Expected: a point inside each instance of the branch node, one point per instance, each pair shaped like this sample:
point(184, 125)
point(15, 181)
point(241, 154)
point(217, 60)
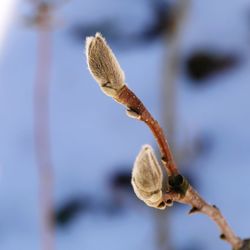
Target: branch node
point(178, 184)
point(193, 210)
point(214, 206)
point(133, 114)
point(169, 202)
point(223, 237)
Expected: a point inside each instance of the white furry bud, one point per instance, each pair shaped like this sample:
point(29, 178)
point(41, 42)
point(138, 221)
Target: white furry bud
point(147, 178)
point(103, 65)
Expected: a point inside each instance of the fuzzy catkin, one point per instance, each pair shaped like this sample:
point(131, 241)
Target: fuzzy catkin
point(103, 65)
point(147, 178)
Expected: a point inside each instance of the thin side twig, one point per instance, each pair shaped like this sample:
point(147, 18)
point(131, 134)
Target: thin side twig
point(199, 205)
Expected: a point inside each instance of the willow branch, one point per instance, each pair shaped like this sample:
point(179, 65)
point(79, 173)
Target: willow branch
point(106, 70)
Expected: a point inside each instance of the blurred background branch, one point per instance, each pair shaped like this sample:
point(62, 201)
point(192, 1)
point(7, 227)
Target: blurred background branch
point(43, 21)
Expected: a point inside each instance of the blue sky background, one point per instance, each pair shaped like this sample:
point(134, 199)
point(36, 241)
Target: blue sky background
point(92, 139)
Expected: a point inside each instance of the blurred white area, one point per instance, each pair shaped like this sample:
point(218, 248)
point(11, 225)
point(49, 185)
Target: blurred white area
point(7, 12)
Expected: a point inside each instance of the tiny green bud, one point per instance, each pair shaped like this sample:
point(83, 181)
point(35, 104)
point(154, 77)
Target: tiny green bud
point(147, 178)
point(104, 66)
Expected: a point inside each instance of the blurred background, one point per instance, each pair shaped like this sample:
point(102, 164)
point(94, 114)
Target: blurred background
point(66, 150)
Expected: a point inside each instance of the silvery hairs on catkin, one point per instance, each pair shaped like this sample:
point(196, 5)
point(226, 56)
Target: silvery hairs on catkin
point(103, 65)
point(147, 178)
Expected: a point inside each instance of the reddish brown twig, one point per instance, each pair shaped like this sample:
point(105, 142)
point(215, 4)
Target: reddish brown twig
point(134, 104)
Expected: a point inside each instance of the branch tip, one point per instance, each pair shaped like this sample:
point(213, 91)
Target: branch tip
point(103, 65)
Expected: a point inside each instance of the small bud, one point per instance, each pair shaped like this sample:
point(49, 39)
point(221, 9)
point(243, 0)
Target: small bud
point(193, 210)
point(147, 178)
point(132, 114)
point(104, 66)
